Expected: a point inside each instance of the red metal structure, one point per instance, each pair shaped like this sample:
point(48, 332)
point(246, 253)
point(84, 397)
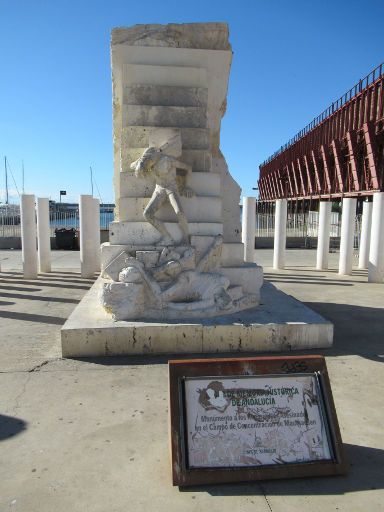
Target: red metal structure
point(339, 154)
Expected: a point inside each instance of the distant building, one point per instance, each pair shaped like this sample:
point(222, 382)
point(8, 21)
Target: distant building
point(74, 207)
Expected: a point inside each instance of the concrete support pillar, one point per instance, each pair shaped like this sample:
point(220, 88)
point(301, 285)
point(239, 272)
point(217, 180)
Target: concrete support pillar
point(324, 233)
point(28, 235)
point(365, 236)
point(280, 240)
point(87, 236)
point(43, 235)
point(248, 227)
point(96, 221)
point(347, 234)
point(376, 250)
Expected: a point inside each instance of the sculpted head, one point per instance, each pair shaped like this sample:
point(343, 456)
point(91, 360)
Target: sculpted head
point(147, 160)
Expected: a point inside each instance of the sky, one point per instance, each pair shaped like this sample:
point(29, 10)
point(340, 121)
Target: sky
point(291, 59)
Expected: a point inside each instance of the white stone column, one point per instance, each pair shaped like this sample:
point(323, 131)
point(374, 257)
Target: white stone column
point(96, 221)
point(365, 236)
point(43, 235)
point(376, 250)
point(347, 233)
point(324, 233)
point(280, 240)
point(87, 236)
point(28, 235)
point(248, 227)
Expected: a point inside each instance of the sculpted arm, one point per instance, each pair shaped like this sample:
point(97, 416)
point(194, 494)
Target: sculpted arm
point(143, 165)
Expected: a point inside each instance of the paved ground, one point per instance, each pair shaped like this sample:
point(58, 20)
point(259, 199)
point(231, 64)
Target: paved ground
point(92, 435)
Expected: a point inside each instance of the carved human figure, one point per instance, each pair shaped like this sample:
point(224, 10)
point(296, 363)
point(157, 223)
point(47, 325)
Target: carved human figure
point(188, 289)
point(170, 177)
point(189, 283)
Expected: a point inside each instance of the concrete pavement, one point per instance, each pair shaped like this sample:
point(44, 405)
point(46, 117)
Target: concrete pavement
point(91, 435)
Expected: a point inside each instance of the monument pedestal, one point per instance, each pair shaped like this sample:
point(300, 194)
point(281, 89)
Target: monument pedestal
point(279, 323)
point(173, 277)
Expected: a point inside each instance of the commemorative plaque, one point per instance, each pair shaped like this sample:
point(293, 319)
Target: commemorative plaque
point(249, 419)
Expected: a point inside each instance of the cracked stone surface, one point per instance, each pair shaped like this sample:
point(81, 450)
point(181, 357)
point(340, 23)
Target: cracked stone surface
point(92, 434)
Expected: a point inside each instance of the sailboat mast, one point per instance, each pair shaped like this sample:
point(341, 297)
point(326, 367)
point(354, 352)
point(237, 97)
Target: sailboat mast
point(90, 168)
point(22, 173)
point(6, 180)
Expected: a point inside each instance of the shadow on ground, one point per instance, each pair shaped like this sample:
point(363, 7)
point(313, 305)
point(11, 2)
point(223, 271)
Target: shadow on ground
point(54, 279)
point(11, 426)
point(358, 329)
point(362, 476)
point(50, 284)
point(12, 283)
point(313, 278)
point(31, 317)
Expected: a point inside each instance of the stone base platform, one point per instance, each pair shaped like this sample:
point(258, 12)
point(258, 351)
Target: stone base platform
point(279, 323)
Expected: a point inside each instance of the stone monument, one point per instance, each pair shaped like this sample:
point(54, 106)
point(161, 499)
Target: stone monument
point(173, 277)
point(175, 246)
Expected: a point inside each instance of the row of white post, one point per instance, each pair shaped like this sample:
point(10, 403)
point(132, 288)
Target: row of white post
point(371, 252)
point(37, 257)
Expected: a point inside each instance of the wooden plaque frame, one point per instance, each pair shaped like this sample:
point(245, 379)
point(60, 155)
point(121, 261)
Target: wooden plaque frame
point(182, 475)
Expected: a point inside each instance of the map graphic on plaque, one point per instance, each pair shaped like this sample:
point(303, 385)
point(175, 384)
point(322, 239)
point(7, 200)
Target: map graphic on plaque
point(255, 421)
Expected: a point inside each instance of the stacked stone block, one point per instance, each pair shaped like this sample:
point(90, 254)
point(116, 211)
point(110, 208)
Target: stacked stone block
point(160, 86)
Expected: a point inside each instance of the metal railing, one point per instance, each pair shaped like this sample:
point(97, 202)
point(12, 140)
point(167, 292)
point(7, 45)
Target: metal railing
point(10, 220)
point(305, 225)
point(298, 224)
point(10, 225)
point(353, 92)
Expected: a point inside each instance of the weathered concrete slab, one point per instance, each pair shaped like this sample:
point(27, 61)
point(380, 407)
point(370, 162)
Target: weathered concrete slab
point(164, 95)
point(138, 137)
point(192, 35)
point(279, 323)
point(128, 232)
point(144, 115)
point(248, 275)
point(164, 75)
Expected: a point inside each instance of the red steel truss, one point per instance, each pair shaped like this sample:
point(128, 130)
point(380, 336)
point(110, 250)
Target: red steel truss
point(339, 154)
